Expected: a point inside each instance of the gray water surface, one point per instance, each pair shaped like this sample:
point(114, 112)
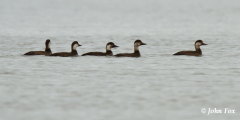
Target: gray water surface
point(156, 86)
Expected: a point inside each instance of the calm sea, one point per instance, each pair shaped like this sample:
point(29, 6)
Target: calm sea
point(156, 86)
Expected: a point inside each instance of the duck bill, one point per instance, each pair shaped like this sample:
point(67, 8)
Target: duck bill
point(79, 45)
point(143, 44)
point(204, 44)
point(115, 46)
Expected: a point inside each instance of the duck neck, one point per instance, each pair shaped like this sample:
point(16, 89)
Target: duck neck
point(48, 50)
point(197, 47)
point(108, 50)
point(136, 50)
point(74, 51)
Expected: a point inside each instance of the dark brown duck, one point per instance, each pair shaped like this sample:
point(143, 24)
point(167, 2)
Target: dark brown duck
point(46, 52)
point(197, 52)
point(136, 53)
point(107, 53)
point(69, 54)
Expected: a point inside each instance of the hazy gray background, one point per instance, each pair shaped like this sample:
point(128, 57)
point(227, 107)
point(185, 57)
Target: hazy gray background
point(154, 86)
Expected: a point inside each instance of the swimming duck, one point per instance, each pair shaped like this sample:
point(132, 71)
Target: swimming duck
point(46, 52)
point(107, 53)
point(136, 53)
point(198, 51)
point(69, 54)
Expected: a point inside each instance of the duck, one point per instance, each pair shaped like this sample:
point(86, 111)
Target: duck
point(197, 52)
point(73, 53)
point(136, 53)
point(107, 53)
point(46, 52)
